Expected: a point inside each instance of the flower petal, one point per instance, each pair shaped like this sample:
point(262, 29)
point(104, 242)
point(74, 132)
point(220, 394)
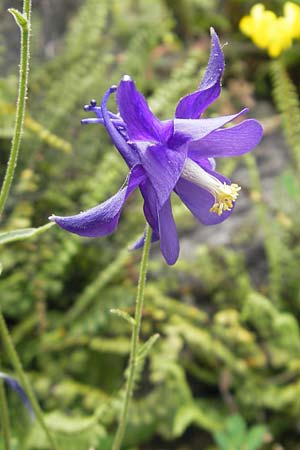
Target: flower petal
point(120, 143)
point(102, 219)
point(141, 122)
point(196, 129)
point(199, 201)
point(150, 205)
point(192, 105)
point(232, 141)
point(169, 244)
point(162, 224)
point(163, 167)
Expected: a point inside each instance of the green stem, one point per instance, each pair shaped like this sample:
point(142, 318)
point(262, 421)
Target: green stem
point(9, 346)
point(134, 341)
point(21, 105)
point(4, 417)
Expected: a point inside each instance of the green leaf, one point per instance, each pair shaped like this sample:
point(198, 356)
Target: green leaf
point(255, 437)
point(223, 440)
point(124, 315)
point(146, 347)
point(236, 428)
point(19, 18)
point(235, 435)
point(25, 233)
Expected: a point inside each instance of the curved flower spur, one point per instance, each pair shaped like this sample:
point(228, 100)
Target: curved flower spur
point(171, 155)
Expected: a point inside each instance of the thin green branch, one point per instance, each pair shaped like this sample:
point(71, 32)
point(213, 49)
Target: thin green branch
point(134, 341)
point(14, 358)
point(23, 20)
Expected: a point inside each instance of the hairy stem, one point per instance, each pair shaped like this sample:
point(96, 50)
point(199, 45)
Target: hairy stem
point(134, 341)
point(23, 21)
point(21, 105)
point(13, 356)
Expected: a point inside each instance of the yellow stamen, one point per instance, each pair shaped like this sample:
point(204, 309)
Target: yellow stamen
point(225, 196)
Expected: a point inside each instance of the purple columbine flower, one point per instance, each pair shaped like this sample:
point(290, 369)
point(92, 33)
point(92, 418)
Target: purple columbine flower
point(170, 155)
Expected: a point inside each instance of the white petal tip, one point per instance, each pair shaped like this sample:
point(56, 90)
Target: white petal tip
point(126, 78)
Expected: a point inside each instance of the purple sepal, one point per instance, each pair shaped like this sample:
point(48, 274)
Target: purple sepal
point(150, 205)
point(167, 235)
point(163, 167)
point(196, 130)
point(102, 219)
point(233, 141)
point(192, 105)
point(169, 243)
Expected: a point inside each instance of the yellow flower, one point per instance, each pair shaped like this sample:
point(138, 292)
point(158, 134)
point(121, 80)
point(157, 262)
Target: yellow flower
point(257, 23)
point(291, 13)
point(279, 37)
point(270, 32)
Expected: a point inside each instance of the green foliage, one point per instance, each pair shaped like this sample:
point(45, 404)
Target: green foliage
point(20, 235)
point(19, 18)
point(229, 337)
point(287, 102)
point(235, 435)
point(78, 433)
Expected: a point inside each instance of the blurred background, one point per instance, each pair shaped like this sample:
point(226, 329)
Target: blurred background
point(225, 373)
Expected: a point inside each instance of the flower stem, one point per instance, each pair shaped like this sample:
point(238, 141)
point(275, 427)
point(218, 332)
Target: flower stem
point(9, 346)
point(134, 341)
point(4, 417)
point(21, 104)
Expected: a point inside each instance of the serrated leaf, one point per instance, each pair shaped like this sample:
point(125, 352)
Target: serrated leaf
point(25, 233)
point(20, 19)
point(124, 315)
point(146, 347)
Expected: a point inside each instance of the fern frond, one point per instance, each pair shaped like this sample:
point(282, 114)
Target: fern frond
point(286, 99)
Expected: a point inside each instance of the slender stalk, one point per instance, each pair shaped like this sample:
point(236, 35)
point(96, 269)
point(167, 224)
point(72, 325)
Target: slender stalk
point(9, 346)
point(4, 417)
point(134, 341)
point(21, 105)
point(25, 29)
